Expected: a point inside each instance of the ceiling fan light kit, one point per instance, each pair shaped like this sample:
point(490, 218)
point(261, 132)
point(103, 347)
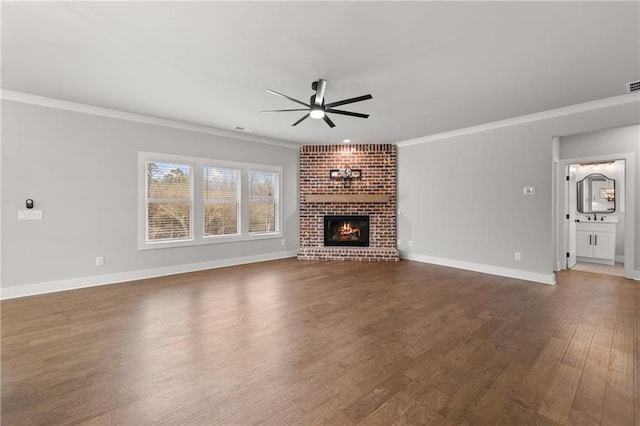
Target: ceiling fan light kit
point(317, 109)
point(316, 112)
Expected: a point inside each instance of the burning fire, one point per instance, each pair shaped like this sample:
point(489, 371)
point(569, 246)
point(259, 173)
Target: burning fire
point(348, 232)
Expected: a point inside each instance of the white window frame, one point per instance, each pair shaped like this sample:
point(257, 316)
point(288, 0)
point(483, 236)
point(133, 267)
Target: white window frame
point(277, 199)
point(142, 197)
point(197, 211)
point(227, 165)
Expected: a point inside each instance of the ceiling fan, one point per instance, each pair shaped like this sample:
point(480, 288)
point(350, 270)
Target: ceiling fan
point(317, 108)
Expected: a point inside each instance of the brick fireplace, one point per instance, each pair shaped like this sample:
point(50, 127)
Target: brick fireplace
point(370, 191)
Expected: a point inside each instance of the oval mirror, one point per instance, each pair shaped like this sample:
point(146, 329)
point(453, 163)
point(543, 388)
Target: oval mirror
point(596, 194)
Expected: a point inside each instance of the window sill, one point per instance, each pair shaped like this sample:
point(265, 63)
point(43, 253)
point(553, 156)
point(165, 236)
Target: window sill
point(207, 241)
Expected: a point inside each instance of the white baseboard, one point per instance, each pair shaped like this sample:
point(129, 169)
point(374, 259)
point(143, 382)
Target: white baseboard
point(478, 267)
point(595, 260)
point(92, 281)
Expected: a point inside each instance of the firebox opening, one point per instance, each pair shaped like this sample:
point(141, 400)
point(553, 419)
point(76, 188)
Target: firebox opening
point(346, 231)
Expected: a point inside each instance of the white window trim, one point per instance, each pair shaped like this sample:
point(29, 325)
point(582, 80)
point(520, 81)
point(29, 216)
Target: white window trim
point(226, 165)
point(197, 213)
point(279, 200)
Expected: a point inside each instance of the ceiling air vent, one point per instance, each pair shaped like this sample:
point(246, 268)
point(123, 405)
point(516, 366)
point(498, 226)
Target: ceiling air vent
point(633, 86)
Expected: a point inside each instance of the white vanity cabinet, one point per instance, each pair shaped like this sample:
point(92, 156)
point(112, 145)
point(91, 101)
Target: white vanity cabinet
point(596, 242)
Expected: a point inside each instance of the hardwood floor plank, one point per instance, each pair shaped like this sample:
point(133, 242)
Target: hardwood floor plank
point(603, 335)
point(389, 412)
point(636, 339)
point(292, 342)
point(577, 418)
point(459, 406)
point(427, 407)
point(501, 393)
point(102, 420)
point(556, 403)
point(618, 400)
point(576, 353)
point(541, 374)
point(362, 407)
point(622, 345)
point(589, 396)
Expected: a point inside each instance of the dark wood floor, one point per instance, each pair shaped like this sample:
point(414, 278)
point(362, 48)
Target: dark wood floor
point(326, 343)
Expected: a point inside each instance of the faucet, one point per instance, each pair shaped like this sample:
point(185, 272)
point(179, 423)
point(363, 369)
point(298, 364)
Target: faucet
point(594, 217)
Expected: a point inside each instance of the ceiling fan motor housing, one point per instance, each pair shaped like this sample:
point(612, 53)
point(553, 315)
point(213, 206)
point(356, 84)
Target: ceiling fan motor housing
point(312, 101)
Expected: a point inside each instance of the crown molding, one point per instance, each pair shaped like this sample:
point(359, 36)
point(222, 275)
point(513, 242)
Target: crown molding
point(27, 98)
point(538, 116)
point(11, 95)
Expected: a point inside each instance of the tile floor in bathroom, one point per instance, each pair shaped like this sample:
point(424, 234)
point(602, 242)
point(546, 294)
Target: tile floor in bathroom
point(616, 270)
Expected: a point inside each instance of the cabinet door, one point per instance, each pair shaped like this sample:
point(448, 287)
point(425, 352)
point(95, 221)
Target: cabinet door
point(604, 245)
point(584, 244)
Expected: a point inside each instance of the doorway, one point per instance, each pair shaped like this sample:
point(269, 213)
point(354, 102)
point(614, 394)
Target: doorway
point(597, 238)
point(596, 210)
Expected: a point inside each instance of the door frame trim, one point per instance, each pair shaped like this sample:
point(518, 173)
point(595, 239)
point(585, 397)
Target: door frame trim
point(630, 210)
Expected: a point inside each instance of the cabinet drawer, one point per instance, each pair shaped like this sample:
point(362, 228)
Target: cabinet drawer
point(595, 227)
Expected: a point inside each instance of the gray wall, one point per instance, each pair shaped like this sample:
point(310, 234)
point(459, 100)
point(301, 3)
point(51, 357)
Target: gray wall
point(460, 197)
point(82, 171)
point(620, 140)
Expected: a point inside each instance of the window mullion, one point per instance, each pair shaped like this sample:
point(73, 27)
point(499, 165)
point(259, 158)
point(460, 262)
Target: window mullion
point(196, 201)
point(243, 200)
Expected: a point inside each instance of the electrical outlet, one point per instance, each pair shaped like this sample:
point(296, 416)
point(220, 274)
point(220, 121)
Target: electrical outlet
point(410, 243)
point(529, 190)
point(282, 242)
point(517, 255)
point(100, 261)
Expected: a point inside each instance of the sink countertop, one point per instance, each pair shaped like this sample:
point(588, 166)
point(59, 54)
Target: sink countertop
point(606, 220)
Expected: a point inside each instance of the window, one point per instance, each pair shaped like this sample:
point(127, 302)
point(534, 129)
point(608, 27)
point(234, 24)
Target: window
point(169, 201)
point(221, 191)
point(187, 201)
point(263, 201)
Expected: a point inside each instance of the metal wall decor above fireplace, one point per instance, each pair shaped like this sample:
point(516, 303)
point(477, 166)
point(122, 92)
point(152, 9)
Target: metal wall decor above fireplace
point(345, 173)
point(346, 231)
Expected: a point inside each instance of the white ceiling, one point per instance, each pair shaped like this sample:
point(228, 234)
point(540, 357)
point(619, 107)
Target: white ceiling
point(430, 66)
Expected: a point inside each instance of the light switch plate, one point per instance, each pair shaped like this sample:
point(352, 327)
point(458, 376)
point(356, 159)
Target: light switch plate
point(29, 214)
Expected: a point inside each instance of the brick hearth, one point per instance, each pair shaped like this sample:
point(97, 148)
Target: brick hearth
point(374, 194)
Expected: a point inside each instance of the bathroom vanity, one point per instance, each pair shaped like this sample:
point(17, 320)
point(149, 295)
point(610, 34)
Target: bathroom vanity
point(596, 242)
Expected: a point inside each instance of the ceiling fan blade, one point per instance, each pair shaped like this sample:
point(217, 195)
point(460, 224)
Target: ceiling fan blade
point(322, 86)
point(352, 114)
point(302, 119)
point(286, 110)
point(349, 101)
point(273, 92)
point(328, 121)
